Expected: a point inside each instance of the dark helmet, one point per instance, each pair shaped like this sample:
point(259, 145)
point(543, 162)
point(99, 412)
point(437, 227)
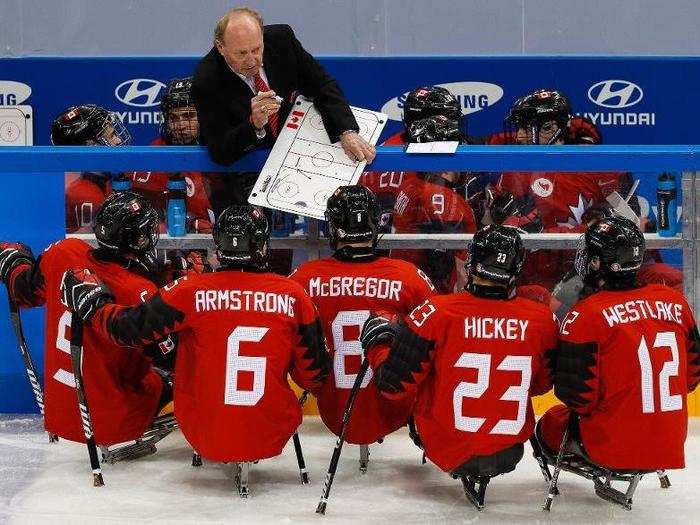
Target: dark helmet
point(353, 216)
point(437, 128)
point(497, 254)
point(535, 109)
point(127, 223)
point(80, 125)
point(241, 235)
point(611, 250)
point(428, 101)
point(178, 94)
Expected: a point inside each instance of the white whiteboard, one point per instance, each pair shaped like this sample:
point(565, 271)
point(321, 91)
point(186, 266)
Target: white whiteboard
point(304, 168)
point(16, 124)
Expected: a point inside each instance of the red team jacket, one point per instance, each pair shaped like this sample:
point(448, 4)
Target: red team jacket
point(122, 390)
point(482, 360)
point(626, 362)
point(345, 294)
point(85, 194)
point(240, 335)
point(423, 206)
point(386, 185)
point(152, 184)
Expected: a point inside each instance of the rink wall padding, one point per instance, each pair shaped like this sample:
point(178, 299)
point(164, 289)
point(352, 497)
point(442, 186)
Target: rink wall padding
point(634, 100)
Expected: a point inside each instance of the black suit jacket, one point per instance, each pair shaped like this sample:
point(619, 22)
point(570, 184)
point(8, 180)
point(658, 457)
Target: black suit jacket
point(223, 99)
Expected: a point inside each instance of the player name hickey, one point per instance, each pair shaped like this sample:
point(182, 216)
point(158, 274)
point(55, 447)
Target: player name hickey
point(355, 286)
point(495, 328)
point(252, 301)
point(632, 311)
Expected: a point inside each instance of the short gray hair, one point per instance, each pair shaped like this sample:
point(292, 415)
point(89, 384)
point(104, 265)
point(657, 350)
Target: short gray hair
point(223, 21)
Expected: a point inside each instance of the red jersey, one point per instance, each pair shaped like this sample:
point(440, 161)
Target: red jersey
point(85, 194)
point(562, 198)
point(152, 184)
point(433, 207)
point(386, 185)
point(481, 360)
point(627, 360)
point(346, 294)
point(122, 390)
point(240, 335)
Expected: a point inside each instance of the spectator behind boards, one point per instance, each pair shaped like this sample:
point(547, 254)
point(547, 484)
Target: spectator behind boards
point(244, 88)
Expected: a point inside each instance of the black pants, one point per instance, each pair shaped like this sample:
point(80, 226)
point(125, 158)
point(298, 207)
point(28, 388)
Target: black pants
point(499, 463)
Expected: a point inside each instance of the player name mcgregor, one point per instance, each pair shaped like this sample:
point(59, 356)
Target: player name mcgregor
point(495, 328)
point(355, 286)
point(269, 302)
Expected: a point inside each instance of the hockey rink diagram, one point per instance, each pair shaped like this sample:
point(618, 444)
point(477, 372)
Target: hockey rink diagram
point(304, 168)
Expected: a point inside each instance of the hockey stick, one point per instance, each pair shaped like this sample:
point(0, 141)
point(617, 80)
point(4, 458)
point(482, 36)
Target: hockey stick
point(297, 446)
point(553, 491)
point(76, 355)
point(321, 508)
point(27, 358)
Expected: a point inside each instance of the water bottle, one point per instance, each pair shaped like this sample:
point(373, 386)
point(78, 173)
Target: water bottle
point(120, 182)
point(177, 207)
point(666, 202)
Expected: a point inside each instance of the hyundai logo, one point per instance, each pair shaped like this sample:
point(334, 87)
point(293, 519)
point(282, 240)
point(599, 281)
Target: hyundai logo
point(615, 93)
point(139, 92)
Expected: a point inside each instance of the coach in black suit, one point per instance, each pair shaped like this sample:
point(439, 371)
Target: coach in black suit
point(244, 89)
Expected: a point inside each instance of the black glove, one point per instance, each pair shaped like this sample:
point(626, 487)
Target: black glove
point(13, 254)
point(84, 293)
point(520, 212)
point(376, 330)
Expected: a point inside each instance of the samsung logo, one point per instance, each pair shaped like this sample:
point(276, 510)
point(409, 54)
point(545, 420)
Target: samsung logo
point(473, 97)
point(615, 94)
point(13, 93)
point(140, 92)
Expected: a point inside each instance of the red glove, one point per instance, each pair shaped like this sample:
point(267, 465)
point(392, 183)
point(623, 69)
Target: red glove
point(583, 131)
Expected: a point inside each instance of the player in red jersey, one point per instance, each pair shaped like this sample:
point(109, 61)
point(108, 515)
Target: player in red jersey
point(628, 357)
point(561, 199)
point(422, 102)
point(346, 289)
point(475, 359)
point(241, 331)
point(87, 125)
point(180, 127)
point(550, 202)
point(125, 393)
point(434, 202)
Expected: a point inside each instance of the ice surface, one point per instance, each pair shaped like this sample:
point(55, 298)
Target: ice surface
point(43, 483)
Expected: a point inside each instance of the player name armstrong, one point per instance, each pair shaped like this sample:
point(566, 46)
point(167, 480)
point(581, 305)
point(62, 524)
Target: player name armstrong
point(495, 328)
point(269, 302)
point(632, 311)
point(355, 286)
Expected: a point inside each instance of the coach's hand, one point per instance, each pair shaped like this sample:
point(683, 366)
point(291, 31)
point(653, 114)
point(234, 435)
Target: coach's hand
point(84, 293)
point(356, 147)
point(262, 106)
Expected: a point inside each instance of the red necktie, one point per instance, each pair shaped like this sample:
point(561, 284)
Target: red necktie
point(272, 120)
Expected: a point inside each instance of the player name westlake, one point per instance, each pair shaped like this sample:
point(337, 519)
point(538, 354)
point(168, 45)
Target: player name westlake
point(631, 311)
point(495, 328)
point(269, 302)
point(355, 286)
